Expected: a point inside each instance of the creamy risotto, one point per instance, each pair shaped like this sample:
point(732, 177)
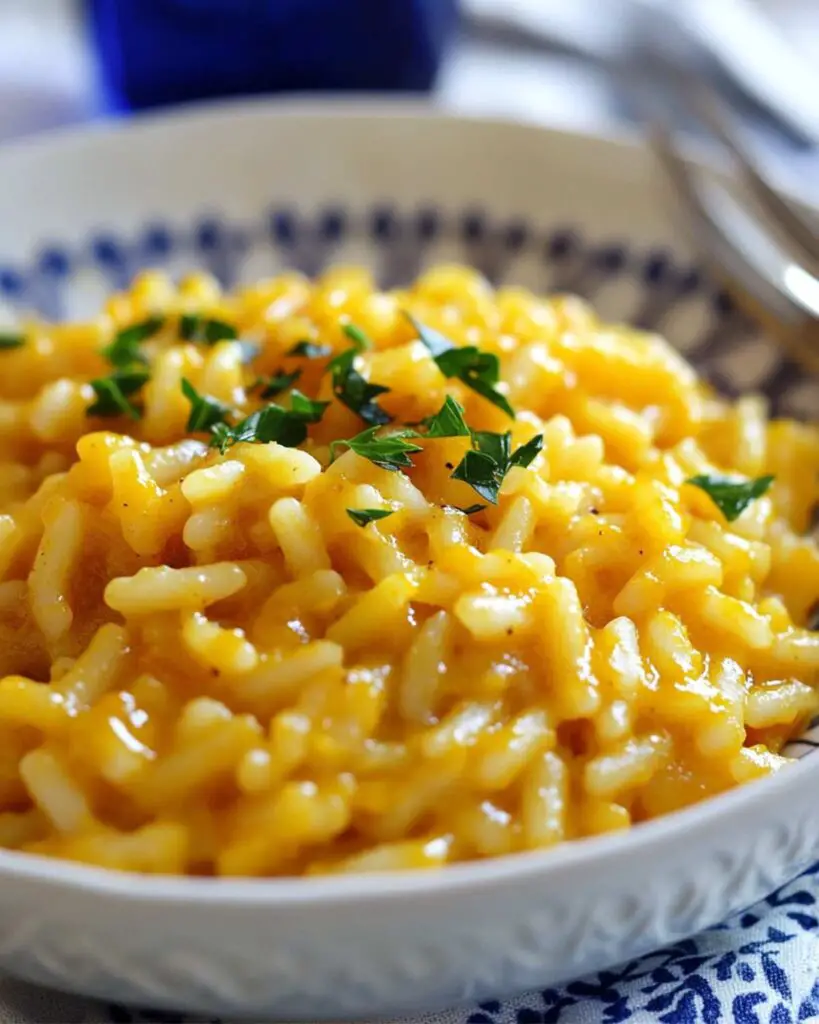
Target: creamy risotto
point(316, 578)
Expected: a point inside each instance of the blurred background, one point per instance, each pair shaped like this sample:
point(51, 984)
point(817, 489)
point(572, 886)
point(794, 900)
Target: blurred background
point(553, 61)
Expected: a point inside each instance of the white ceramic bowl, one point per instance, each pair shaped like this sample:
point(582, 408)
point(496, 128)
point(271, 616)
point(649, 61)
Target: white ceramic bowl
point(243, 189)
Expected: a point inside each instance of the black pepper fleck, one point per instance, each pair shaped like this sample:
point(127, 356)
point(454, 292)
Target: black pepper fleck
point(594, 511)
point(509, 631)
point(449, 465)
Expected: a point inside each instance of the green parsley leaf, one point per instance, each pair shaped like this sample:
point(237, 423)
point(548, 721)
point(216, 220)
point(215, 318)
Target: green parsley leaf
point(436, 342)
point(9, 340)
point(497, 446)
point(278, 382)
point(310, 350)
point(482, 474)
point(112, 392)
point(391, 451)
point(362, 516)
point(193, 327)
point(359, 339)
point(354, 391)
point(485, 466)
point(527, 453)
point(469, 510)
point(287, 427)
point(124, 349)
point(343, 362)
point(305, 408)
point(263, 426)
point(259, 427)
point(731, 497)
point(205, 412)
point(448, 421)
point(222, 437)
point(480, 371)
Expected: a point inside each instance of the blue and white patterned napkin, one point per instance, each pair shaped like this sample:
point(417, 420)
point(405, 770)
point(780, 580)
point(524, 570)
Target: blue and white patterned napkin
point(760, 967)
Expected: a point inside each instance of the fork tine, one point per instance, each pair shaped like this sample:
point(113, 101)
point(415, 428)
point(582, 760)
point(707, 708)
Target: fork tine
point(769, 283)
point(733, 237)
point(794, 227)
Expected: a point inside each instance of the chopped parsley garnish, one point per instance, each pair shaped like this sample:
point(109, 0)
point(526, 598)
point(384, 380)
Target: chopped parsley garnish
point(482, 473)
point(205, 412)
point(362, 516)
point(223, 436)
point(731, 497)
point(287, 427)
point(358, 394)
point(124, 349)
point(485, 466)
point(10, 340)
point(497, 447)
point(480, 371)
point(278, 382)
point(436, 342)
point(527, 453)
point(469, 510)
point(349, 387)
point(359, 339)
point(306, 408)
point(112, 393)
point(448, 421)
point(310, 350)
point(391, 451)
point(193, 327)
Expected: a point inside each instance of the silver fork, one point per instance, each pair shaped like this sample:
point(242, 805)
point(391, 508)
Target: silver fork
point(763, 246)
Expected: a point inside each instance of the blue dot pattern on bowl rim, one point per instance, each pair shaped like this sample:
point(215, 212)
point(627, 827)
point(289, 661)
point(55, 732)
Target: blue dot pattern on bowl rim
point(657, 289)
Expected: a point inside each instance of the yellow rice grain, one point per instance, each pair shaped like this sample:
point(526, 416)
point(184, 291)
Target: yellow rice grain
point(210, 666)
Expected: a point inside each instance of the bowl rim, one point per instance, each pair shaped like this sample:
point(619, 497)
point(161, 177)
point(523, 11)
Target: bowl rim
point(693, 823)
point(312, 106)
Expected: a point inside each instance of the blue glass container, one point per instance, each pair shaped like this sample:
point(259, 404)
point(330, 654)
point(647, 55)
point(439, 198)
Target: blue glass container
point(154, 52)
